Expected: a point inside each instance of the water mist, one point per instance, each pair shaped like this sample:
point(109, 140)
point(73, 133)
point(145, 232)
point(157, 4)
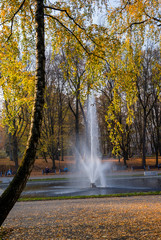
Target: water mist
point(90, 154)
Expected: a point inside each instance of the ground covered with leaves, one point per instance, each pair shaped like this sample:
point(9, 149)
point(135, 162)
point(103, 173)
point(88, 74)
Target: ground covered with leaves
point(106, 218)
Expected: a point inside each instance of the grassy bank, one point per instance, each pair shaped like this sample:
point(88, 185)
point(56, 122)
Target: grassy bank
point(92, 196)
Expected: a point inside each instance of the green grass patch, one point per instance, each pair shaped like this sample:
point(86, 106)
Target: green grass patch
point(92, 196)
point(47, 179)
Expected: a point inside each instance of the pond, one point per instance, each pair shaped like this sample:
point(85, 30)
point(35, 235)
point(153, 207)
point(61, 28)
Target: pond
point(80, 187)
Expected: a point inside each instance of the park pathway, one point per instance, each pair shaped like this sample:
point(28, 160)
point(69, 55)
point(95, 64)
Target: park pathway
point(100, 218)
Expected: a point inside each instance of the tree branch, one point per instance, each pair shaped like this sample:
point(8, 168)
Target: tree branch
point(139, 94)
point(64, 10)
point(47, 15)
point(84, 47)
point(154, 18)
point(137, 23)
point(152, 105)
point(12, 18)
point(70, 17)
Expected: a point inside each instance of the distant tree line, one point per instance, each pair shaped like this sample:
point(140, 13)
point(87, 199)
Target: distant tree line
point(64, 118)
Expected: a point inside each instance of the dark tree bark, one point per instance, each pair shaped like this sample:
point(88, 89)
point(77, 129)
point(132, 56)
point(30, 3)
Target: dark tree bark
point(12, 193)
point(156, 137)
point(144, 139)
point(125, 145)
point(160, 134)
point(10, 147)
point(15, 150)
point(52, 153)
point(13, 142)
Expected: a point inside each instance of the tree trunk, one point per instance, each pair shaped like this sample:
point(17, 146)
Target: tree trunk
point(44, 156)
point(77, 124)
point(125, 158)
point(144, 141)
point(15, 146)
point(62, 145)
point(125, 155)
point(157, 156)
point(10, 147)
point(15, 150)
point(53, 157)
point(159, 132)
point(157, 137)
point(12, 193)
point(61, 128)
point(52, 152)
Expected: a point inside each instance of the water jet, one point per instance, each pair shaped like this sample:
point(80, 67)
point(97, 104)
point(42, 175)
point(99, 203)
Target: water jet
point(90, 160)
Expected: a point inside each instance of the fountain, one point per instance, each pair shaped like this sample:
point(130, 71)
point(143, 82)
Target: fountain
point(93, 185)
point(90, 158)
point(93, 168)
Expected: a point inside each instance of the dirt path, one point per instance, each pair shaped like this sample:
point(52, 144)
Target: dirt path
point(108, 218)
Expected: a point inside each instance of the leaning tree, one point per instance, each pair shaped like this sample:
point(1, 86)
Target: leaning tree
point(62, 20)
point(12, 193)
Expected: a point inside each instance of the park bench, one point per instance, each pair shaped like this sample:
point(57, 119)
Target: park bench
point(48, 170)
point(137, 167)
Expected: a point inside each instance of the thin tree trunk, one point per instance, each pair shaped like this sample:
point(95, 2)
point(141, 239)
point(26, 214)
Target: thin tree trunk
point(44, 156)
point(157, 139)
point(144, 141)
point(62, 145)
point(10, 147)
point(157, 155)
point(52, 152)
point(53, 156)
point(77, 124)
point(159, 134)
point(12, 193)
point(15, 150)
point(125, 154)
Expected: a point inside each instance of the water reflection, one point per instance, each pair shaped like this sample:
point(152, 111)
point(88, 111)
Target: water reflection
point(79, 187)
